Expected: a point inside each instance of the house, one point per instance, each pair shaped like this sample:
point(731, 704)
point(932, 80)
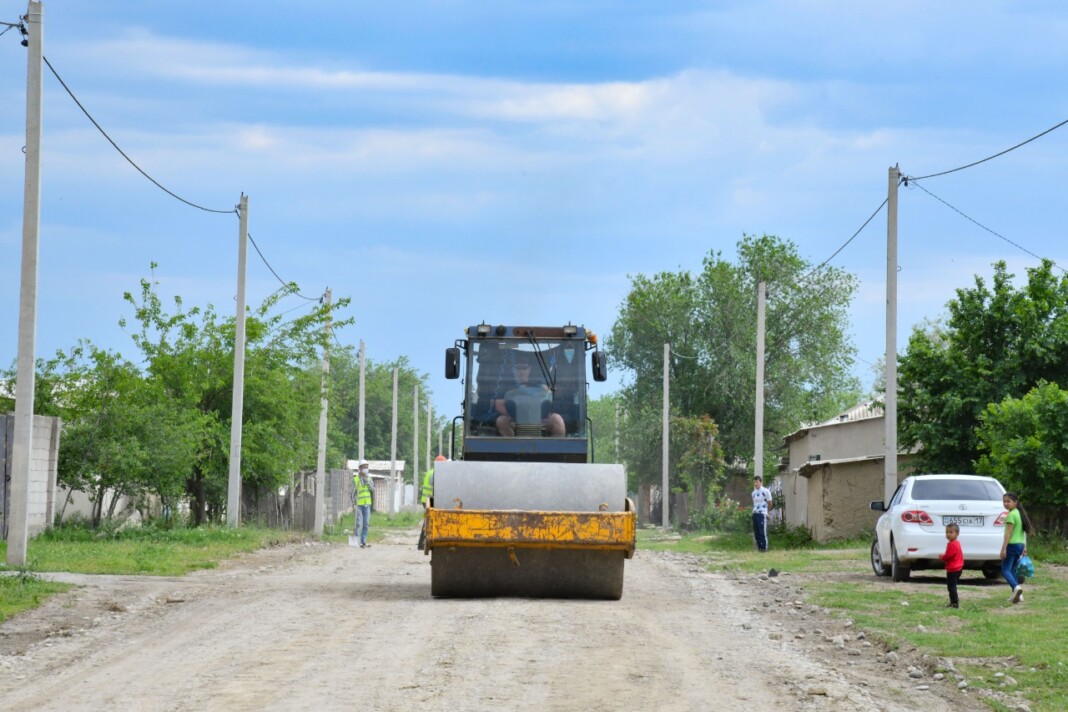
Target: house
point(834, 469)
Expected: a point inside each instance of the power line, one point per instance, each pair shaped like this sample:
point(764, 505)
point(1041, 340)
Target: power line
point(988, 158)
point(291, 286)
point(818, 267)
point(979, 224)
point(123, 153)
point(288, 285)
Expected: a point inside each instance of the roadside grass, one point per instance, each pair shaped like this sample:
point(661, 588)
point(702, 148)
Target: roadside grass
point(145, 550)
point(985, 636)
point(381, 523)
point(24, 590)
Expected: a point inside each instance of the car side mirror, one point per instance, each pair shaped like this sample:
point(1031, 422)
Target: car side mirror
point(599, 362)
point(878, 506)
point(452, 362)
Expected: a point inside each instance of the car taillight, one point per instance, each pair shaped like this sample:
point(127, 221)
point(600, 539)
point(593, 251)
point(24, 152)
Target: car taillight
point(1000, 521)
point(917, 516)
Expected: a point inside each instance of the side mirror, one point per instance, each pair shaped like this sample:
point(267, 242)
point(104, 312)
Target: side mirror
point(878, 506)
point(452, 362)
point(599, 361)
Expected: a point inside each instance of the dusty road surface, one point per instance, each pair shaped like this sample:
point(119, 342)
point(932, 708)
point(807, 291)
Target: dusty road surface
point(324, 626)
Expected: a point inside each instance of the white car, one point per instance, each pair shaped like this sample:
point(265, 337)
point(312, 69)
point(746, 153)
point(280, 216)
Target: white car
point(911, 533)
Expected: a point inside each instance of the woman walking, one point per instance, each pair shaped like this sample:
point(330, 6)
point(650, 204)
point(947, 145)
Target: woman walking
point(1017, 527)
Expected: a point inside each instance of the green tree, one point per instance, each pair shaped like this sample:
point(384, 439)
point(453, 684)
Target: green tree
point(121, 437)
point(710, 322)
point(998, 342)
point(1024, 442)
point(378, 409)
point(189, 355)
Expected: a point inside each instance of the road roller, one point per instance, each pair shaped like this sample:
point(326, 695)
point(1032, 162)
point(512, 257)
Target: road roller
point(524, 509)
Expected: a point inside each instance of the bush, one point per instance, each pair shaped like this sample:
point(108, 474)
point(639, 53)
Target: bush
point(725, 516)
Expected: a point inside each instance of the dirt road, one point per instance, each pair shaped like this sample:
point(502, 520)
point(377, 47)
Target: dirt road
point(321, 626)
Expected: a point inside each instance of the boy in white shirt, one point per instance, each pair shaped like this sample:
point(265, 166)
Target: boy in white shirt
point(761, 507)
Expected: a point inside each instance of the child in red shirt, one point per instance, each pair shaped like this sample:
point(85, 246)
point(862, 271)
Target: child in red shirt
point(954, 558)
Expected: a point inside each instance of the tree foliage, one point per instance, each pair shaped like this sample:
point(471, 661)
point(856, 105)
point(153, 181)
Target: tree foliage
point(998, 342)
point(710, 321)
point(1024, 442)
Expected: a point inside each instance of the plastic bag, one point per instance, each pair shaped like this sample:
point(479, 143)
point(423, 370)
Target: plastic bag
point(1025, 568)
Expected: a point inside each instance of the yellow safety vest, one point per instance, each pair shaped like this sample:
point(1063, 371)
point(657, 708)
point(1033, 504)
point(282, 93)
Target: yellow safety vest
point(428, 485)
point(363, 492)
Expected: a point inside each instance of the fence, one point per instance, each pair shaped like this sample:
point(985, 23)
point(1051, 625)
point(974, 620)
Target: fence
point(44, 459)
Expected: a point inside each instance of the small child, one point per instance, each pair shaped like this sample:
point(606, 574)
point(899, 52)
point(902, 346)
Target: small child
point(954, 558)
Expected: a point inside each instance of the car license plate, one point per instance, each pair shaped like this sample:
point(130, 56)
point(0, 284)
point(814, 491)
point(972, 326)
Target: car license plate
point(962, 521)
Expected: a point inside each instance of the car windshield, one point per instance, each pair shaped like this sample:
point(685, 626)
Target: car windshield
point(969, 490)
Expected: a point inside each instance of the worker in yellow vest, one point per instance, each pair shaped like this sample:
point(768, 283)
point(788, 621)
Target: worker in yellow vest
point(361, 482)
point(428, 480)
point(427, 493)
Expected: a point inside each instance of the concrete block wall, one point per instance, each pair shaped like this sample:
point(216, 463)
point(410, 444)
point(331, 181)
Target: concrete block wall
point(44, 462)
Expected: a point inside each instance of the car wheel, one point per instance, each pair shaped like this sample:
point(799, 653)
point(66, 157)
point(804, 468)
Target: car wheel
point(877, 564)
point(991, 572)
point(898, 571)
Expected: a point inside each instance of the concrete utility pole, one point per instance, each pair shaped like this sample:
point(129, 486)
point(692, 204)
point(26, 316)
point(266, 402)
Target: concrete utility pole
point(18, 532)
point(429, 421)
point(363, 400)
point(415, 444)
point(665, 495)
point(393, 448)
point(890, 461)
point(237, 407)
point(758, 438)
point(320, 467)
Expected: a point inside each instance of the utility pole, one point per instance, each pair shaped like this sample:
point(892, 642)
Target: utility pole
point(758, 438)
point(363, 400)
point(890, 461)
point(665, 496)
point(393, 448)
point(18, 531)
point(415, 444)
point(320, 467)
point(237, 406)
point(429, 421)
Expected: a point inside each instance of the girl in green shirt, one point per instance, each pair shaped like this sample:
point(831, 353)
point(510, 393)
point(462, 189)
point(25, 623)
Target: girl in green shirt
point(1017, 527)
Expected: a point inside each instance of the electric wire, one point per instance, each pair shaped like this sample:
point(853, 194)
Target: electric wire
point(290, 286)
point(988, 158)
point(820, 266)
point(123, 153)
point(972, 220)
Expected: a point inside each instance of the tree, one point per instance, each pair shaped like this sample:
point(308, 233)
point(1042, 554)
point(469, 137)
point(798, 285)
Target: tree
point(189, 356)
point(998, 342)
point(710, 322)
point(1024, 442)
point(121, 437)
point(378, 408)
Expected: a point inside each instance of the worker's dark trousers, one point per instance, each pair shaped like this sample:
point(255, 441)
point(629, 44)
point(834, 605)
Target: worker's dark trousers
point(760, 530)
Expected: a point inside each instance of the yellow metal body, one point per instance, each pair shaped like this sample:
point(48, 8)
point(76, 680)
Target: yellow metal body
point(591, 531)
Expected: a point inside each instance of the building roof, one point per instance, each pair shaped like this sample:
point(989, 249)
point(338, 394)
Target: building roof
point(861, 411)
point(380, 466)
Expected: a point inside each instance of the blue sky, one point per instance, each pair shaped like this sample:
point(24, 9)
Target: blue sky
point(445, 163)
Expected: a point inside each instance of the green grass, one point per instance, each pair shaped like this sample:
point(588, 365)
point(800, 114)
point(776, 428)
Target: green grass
point(148, 550)
point(380, 524)
point(984, 636)
point(23, 590)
